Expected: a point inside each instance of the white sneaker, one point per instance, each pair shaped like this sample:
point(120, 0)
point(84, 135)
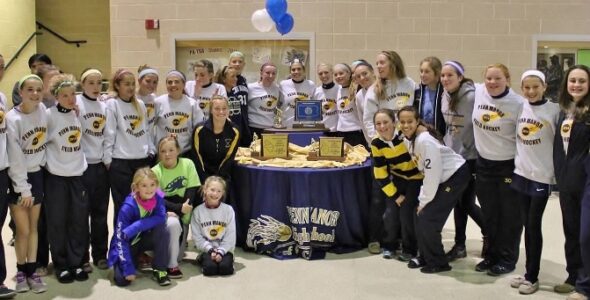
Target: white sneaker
point(517, 281)
point(527, 287)
point(576, 296)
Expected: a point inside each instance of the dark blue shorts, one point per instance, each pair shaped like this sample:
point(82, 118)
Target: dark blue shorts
point(35, 179)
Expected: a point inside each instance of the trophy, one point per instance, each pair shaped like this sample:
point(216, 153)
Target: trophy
point(278, 119)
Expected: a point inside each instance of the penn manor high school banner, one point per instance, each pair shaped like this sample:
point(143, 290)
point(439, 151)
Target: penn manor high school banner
point(289, 213)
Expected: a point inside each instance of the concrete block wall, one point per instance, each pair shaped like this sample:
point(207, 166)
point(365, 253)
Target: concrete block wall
point(475, 32)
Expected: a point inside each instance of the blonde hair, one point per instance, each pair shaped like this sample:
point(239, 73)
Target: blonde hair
point(116, 80)
point(209, 181)
point(142, 174)
point(57, 82)
point(502, 68)
point(396, 71)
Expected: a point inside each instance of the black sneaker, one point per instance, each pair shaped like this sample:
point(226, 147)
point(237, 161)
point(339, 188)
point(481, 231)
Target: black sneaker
point(404, 257)
point(458, 251)
point(435, 269)
point(484, 265)
point(64, 276)
point(416, 262)
point(497, 270)
point(161, 277)
point(80, 274)
point(174, 273)
point(6, 293)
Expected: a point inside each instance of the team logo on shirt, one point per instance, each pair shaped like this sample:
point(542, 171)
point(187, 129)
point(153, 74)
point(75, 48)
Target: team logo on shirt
point(150, 107)
point(38, 139)
point(176, 184)
point(527, 131)
point(74, 137)
point(134, 124)
point(489, 116)
point(214, 229)
point(204, 103)
point(2, 125)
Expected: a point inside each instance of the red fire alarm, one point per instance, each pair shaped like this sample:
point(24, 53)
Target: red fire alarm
point(152, 24)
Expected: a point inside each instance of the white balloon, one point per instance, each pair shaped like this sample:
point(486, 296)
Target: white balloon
point(262, 21)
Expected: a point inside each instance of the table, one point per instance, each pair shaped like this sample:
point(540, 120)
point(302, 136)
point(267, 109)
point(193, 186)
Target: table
point(288, 213)
point(300, 136)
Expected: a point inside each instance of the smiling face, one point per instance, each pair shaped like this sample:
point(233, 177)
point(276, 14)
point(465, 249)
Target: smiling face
point(408, 123)
point(533, 88)
point(92, 85)
point(297, 72)
point(325, 74)
point(427, 74)
point(148, 84)
point(384, 125)
point(174, 86)
point(341, 75)
point(231, 78)
point(168, 154)
point(219, 110)
point(577, 84)
point(496, 81)
point(268, 75)
point(146, 188)
point(214, 193)
point(31, 92)
point(66, 97)
point(450, 79)
point(363, 76)
point(126, 87)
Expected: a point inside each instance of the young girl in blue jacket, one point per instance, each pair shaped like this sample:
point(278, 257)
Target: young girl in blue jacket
point(140, 226)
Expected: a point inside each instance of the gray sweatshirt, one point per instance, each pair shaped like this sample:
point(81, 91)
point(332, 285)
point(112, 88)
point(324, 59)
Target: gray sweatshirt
point(214, 228)
point(459, 135)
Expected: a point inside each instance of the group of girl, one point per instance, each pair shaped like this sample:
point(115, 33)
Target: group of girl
point(55, 153)
point(458, 140)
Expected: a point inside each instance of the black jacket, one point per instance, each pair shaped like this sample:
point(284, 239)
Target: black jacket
point(570, 170)
point(213, 154)
point(439, 121)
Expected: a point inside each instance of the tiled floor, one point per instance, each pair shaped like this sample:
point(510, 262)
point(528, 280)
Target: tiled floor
point(351, 276)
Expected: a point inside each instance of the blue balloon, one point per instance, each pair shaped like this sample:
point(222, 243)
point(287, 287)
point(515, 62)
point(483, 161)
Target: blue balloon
point(276, 9)
point(285, 24)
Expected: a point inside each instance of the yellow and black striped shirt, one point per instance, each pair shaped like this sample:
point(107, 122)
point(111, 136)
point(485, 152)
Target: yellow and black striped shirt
point(392, 159)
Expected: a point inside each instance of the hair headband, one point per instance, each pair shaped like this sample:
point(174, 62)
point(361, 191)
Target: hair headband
point(535, 73)
point(345, 66)
point(88, 73)
point(455, 65)
point(176, 73)
point(62, 85)
point(146, 72)
point(27, 77)
point(123, 73)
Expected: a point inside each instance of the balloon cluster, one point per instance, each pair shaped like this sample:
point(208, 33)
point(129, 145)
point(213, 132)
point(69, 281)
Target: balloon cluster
point(275, 14)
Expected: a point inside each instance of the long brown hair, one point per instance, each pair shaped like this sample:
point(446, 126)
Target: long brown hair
point(566, 101)
point(454, 96)
point(396, 70)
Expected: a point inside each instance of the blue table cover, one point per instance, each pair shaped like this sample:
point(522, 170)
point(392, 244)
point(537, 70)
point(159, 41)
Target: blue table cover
point(288, 213)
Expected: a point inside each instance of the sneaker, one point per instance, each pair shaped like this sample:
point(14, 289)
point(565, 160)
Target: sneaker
point(102, 264)
point(435, 269)
point(6, 293)
point(36, 284)
point(387, 254)
point(458, 251)
point(516, 281)
point(485, 247)
point(21, 283)
point(65, 276)
point(497, 270)
point(416, 262)
point(404, 257)
point(527, 287)
point(564, 288)
point(144, 262)
point(174, 273)
point(42, 271)
point(484, 265)
point(576, 296)
point(374, 248)
point(80, 274)
point(87, 267)
point(161, 277)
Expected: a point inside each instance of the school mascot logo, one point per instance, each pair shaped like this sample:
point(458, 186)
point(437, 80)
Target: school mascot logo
point(74, 138)
point(266, 230)
point(490, 116)
point(134, 124)
point(179, 121)
point(529, 129)
point(176, 184)
point(98, 123)
point(150, 110)
point(1, 117)
point(344, 103)
point(216, 231)
point(39, 139)
point(272, 102)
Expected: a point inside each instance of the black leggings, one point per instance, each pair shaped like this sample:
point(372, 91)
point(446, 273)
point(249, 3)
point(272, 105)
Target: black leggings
point(467, 207)
point(531, 212)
